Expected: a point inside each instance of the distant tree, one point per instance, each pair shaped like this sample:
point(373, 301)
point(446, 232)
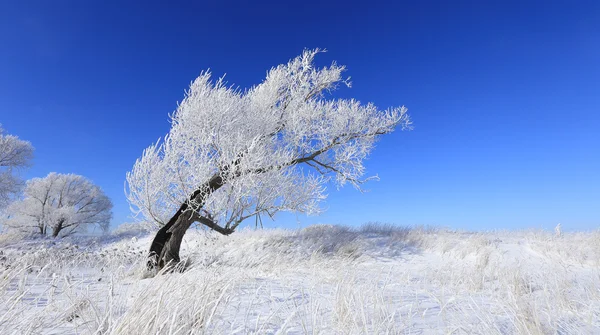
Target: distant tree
point(14, 154)
point(60, 205)
point(234, 154)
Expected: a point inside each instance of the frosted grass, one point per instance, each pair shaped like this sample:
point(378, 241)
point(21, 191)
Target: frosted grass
point(378, 279)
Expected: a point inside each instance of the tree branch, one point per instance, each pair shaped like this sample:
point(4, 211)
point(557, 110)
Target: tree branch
point(213, 225)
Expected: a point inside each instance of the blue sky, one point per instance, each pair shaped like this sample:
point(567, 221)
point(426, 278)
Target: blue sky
point(504, 96)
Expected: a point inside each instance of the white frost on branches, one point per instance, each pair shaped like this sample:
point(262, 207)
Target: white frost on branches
point(60, 204)
point(14, 154)
point(275, 145)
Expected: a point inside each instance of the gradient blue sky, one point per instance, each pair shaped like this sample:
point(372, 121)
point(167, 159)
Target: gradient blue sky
point(504, 96)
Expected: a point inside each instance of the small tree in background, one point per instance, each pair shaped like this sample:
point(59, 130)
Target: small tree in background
point(60, 205)
point(14, 154)
point(232, 155)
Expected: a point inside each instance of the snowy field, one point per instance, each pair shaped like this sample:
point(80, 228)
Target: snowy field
point(320, 280)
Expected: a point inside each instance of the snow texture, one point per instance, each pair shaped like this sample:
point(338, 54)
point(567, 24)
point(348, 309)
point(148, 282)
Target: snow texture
point(320, 280)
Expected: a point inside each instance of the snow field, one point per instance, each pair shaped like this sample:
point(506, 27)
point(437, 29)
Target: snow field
point(377, 279)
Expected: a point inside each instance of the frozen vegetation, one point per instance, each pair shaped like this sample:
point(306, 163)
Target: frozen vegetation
point(320, 280)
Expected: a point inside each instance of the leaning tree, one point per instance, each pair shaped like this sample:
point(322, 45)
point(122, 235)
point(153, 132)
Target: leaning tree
point(235, 154)
point(14, 154)
point(59, 205)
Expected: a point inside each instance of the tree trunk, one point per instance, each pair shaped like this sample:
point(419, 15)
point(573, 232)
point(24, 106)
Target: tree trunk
point(160, 239)
point(170, 252)
point(57, 229)
point(164, 250)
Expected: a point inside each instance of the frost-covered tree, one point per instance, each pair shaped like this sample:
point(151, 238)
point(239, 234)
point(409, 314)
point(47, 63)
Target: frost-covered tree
point(235, 154)
point(60, 205)
point(14, 154)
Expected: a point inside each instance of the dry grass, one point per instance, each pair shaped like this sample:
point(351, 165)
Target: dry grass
point(378, 279)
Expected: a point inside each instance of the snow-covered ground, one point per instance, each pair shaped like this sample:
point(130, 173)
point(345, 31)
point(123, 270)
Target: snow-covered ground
point(320, 280)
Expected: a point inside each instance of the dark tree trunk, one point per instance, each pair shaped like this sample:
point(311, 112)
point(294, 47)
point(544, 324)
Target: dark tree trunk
point(164, 250)
point(169, 255)
point(57, 229)
point(166, 243)
point(160, 239)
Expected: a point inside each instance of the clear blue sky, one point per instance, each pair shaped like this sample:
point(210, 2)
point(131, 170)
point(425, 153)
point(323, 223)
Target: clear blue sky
point(504, 95)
